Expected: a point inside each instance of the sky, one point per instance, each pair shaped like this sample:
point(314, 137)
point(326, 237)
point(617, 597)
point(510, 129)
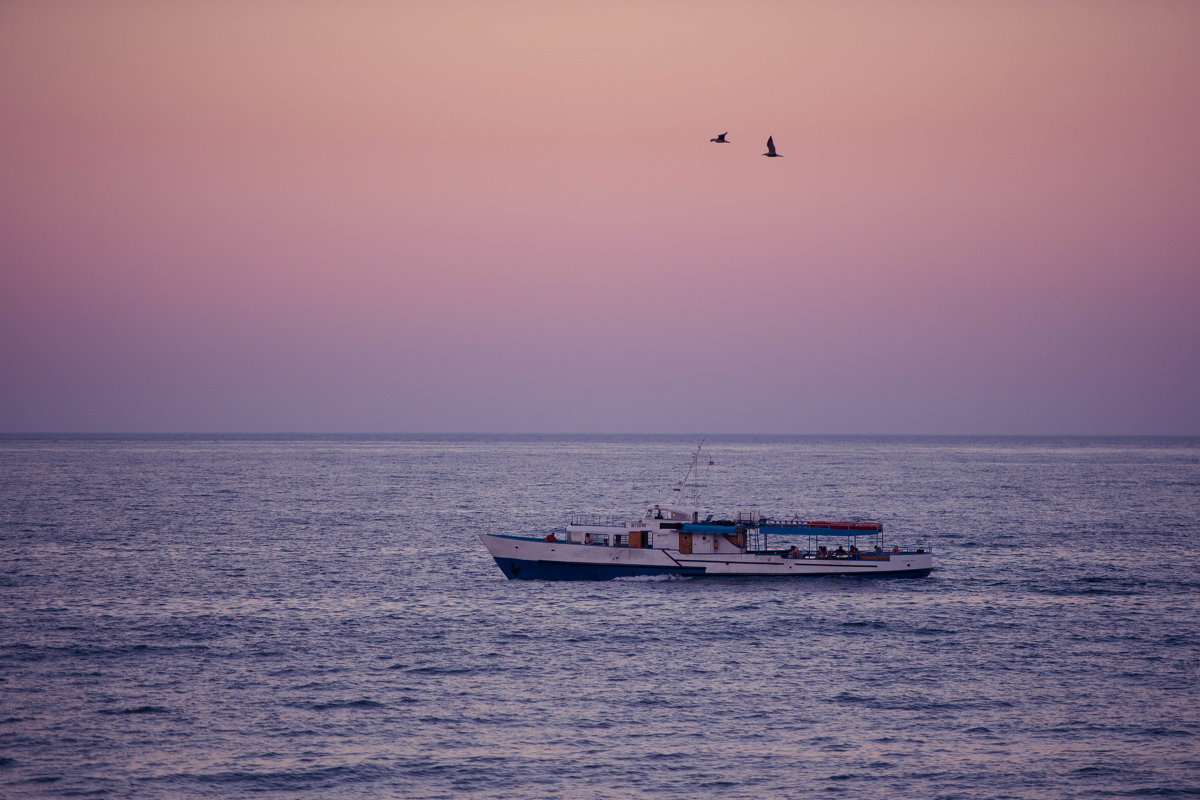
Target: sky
point(508, 217)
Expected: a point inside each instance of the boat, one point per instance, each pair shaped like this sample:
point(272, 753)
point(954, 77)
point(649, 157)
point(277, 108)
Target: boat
point(673, 539)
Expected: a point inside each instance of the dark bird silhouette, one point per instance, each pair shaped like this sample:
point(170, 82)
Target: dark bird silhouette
point(721, 139)
point(771, 148)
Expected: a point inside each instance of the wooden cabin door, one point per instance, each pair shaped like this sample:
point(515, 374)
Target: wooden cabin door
point(685, 543)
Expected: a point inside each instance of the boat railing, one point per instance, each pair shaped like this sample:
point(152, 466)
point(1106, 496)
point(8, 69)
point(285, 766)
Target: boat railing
point(598, 521)
point(885, 554)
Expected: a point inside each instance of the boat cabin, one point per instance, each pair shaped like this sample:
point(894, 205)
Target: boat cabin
point(693, 531)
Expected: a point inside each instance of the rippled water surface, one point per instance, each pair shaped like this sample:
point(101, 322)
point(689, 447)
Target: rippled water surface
point(315, 617)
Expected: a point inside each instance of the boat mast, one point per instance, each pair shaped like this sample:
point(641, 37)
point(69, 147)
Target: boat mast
point(692, 468)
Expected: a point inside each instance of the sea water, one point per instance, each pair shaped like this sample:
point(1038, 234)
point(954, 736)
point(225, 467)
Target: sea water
point(316, 617)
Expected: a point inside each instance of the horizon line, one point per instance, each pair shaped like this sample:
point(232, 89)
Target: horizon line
point(726, 434)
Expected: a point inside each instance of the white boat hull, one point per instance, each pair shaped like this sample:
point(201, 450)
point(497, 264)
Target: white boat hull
point(521, 557)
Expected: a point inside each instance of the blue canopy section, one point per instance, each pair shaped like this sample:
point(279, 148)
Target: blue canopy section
point(793, 528)
point(708, 527)
point(804, 529)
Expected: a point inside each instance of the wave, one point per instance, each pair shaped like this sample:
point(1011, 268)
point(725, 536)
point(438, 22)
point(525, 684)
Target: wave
point(135, 710)
point(337, 704)
point(288, 779)
point(652, 578)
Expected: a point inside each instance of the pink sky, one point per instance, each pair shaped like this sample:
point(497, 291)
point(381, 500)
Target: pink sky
point(507, 216)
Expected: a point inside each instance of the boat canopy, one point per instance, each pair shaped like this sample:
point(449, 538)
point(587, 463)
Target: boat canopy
point(813, 529)
point(823, 527)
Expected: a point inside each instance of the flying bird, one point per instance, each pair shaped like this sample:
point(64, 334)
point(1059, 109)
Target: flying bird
point(771, 148)
point(721, 139)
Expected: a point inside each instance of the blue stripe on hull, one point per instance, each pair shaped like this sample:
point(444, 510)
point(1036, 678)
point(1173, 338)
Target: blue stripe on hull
point(903, 573)
point(520, 569)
